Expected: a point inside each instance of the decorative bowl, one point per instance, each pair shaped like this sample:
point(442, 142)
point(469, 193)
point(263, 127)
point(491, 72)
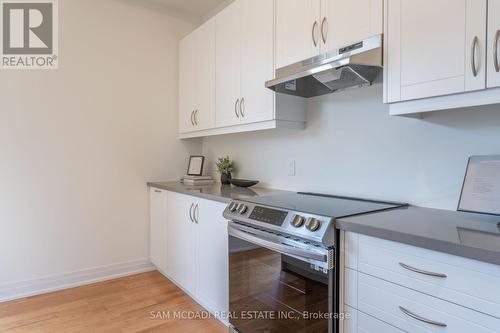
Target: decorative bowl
point(243, 182)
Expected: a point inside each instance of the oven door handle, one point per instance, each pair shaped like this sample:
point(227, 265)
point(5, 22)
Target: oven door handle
point(283, 249)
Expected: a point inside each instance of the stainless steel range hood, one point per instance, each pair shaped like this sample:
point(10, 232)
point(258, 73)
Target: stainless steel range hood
point(355, 65)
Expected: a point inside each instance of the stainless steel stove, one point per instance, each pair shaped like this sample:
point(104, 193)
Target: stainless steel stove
point(282, 260)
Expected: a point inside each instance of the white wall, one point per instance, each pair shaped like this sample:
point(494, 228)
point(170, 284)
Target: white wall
point(353, 147)
point(79, 144)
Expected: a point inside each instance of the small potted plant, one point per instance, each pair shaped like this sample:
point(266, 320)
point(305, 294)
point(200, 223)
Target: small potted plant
point(225, 166)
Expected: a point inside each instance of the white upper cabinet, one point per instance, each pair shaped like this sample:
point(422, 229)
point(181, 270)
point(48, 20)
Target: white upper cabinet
point(297, 30)
point(434, 47)
point(197, 79)
point(257, 60)
point(228, 65)
point(245, 61)
point(344, 22)
point(307, 28)
point(493, 48)
point(225, 64)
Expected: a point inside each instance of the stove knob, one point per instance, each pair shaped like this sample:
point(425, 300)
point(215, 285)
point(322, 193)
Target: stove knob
point(297, 221)
point(313, 224)
point(233, 206)
point(242, 209)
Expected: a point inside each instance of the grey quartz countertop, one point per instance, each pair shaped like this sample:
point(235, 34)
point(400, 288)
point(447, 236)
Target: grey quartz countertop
point(216, 192)
point(475, 236)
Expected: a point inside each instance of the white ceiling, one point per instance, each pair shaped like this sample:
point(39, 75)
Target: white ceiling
point(194, 9)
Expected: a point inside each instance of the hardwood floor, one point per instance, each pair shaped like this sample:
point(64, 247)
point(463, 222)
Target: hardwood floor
point(123, 305)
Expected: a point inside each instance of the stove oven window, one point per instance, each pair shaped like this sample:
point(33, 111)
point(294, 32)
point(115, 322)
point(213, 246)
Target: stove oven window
point(274, 293)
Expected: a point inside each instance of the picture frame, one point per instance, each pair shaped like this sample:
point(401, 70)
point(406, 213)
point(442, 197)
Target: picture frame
point(195, 166)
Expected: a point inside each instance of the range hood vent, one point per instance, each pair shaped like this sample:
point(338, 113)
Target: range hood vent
point(353, 66)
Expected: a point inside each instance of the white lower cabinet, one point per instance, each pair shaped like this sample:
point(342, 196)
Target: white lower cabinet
point(413, 311)
point(158, 228)
point(189, 245)
point(417, 290)
point(360, 322)
point(212, 283)
point(181, 247)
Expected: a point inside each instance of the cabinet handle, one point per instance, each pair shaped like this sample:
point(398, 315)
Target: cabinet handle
point(236, 108)
point(196, 117)
point(495, 51)
point(421, 271)
point(420, 318)
point(324, 34)
point(195, 214)
point(242, 107)
point(473, 56)
point(191, 212)
point(314, 37)
point(157, 191)
point(192, 114)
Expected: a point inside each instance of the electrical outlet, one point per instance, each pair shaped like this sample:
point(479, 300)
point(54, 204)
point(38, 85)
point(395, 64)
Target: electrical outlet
point(291, 168)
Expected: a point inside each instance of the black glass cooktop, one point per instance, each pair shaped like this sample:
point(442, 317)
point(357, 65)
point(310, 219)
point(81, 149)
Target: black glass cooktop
point(322, 204)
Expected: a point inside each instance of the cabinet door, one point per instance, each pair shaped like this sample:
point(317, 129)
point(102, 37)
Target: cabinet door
point(212, 256)
point(204, 71)
point(493, 59)
point(228, 59)
point(158, 228)
point(188, 85)
point(257, 60)
point(197, 79)
point(297, 30)
point(434, 46)
point(181, 236)
point(344, 22)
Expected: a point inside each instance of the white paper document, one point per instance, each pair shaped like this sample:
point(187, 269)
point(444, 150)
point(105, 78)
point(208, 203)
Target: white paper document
point(481, 189)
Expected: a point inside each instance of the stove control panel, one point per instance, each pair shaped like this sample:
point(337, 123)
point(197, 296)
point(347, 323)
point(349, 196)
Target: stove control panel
point(268, 215)
point(289, 223)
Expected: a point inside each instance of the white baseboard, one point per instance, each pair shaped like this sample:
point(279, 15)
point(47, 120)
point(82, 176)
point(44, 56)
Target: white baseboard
point(49, 284)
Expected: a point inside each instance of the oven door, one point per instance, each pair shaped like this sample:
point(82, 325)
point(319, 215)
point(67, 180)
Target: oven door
point(278, 285)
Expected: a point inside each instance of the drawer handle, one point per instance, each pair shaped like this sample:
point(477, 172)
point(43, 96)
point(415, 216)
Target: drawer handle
point(420, 318)
point(421, 271)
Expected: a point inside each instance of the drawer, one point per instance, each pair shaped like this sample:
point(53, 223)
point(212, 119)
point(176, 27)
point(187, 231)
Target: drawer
point(415, 312)
point(360, 322)
point(463, 281)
